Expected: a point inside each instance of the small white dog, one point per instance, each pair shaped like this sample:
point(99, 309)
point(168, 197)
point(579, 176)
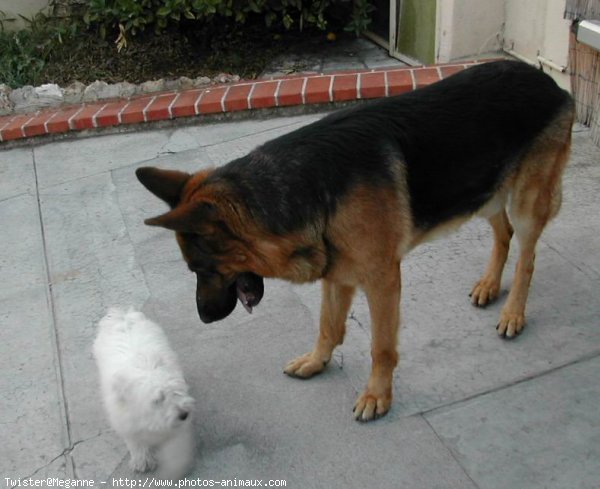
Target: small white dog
point(144, 392)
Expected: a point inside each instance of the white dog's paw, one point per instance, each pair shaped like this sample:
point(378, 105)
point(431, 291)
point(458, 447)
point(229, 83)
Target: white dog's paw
point(142, 461)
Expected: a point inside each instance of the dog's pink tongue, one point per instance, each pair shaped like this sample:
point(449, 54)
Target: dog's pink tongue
point(244, 299)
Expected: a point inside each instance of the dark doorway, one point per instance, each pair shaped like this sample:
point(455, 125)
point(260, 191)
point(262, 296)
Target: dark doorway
point(380, 19)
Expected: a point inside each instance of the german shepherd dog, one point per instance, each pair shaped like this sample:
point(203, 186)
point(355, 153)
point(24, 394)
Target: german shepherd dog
point(345, 198)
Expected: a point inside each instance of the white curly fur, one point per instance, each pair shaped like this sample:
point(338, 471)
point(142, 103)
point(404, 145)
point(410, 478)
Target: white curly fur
point(144, 392)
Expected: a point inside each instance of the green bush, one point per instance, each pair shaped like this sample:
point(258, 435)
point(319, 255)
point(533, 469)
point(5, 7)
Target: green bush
point(20, 60)
point(25, 53)
point(134, 16)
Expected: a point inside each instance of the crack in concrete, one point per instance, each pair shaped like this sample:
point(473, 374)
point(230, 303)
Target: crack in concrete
point(527, 378)
point(6, 199)
point(63, 404)
point(352, 317)
point(591, 273)
point(170, 134)
point(450, 451)
point(66, 451)
point(162, 151)
point(423, 414)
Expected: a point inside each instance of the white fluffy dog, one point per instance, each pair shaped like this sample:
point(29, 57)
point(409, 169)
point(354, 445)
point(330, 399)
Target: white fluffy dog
point(144, 392)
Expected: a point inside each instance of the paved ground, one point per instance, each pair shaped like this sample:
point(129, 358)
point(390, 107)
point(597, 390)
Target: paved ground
point(471, 410)
point(346, 53)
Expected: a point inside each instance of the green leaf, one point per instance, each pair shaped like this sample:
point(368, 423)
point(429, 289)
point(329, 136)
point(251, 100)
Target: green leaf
point(269, 18)
point(287, 21)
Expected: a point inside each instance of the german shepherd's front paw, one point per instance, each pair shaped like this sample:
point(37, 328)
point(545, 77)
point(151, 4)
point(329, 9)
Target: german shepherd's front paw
point(511, 324)
point(305, 366)
point(370, 406)
point(484, 292)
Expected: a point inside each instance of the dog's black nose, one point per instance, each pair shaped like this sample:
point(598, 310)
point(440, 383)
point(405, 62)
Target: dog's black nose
point(183, 415)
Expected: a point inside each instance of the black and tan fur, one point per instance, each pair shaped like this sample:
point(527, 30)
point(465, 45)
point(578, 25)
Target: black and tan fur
point(344, 199)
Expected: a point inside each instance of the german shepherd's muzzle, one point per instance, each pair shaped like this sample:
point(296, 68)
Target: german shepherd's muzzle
point(217, 302)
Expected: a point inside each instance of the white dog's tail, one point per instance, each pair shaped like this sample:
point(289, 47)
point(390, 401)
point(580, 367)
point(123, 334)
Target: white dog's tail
point(114, 315)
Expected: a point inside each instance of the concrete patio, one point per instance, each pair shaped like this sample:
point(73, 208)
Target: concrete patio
point(470, 410)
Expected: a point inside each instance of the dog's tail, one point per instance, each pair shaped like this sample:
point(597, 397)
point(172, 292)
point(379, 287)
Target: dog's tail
point(119, 315)
point(116, 313)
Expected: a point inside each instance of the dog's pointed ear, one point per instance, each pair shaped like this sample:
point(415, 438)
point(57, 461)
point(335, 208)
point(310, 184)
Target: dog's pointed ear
point(185, 218)
point(165, 184)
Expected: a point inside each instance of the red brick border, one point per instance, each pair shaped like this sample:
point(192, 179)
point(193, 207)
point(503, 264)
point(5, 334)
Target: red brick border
point(304, 89)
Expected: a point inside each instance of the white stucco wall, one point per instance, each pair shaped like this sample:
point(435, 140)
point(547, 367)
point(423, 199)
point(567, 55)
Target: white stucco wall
point(12, 9)
point(468, 28)
point(537, 27)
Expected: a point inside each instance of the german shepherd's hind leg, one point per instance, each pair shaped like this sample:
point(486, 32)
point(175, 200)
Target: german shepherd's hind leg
point(487, 288)
point(536, 198)
point(335, 303)
point(512, 317)
point(383, 296)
